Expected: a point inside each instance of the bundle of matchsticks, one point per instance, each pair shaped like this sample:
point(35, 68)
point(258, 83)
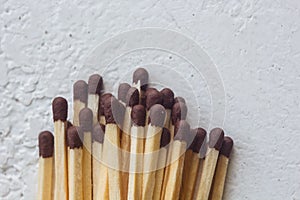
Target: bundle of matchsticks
point(136, 146)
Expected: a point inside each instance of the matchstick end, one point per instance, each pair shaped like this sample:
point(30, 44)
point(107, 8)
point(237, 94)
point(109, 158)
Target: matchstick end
point(165, 138)
point(86, 119)
point(167, 98)
point(226, 146)
point(95, 84)
point(80, 91)
point(74, 140)
point(216, 137)
point(153, 96)
point(122, 91)
point(132, 97)
point(138, 115)
point(60, 109)
point(157, 115)
point(46, 144)
point(141, 75)
point(98, 133)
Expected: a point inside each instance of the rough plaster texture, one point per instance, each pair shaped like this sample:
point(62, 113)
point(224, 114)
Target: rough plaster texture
point(254, 44)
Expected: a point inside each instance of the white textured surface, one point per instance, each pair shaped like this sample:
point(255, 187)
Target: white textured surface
point(255, 45)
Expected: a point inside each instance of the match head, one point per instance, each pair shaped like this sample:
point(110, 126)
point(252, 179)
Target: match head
point(46, 144)
point(157, 115)
point(74, 139)
point(98, 133)
point(102, 100)
point(138, 115)
point(179, 112)
point(226, 146)
point(122, 91)
point(86, 120)
point(168, 98)
point(153, 96)
point(181, 130)
point(199, 137)
point(80, 91)
point(132, 97)
point(95, 84)
point(60, 109)
point(141, 75)
point(179, 99)
point(216, 137)
point(165, 138)
point(113, 111)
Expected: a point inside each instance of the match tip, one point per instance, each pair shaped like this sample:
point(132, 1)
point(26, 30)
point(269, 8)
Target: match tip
point(181, 130)
point(98, 133)
point(153, 96)
point(95, 84)
point(157, 115)
point(132, 97)
point(86, 119)
point(226, 146)
point(60, 109)
point(179, 112)
point(179, 99)
point(167, 98)
point(165, 138)
point(73, 135)
point(199, 137)
point(138, 115)
point(216, 137)
point(122, 91)
point(80, 91)
point(102, 100)
point(46, 144)
point(113, 111)
point(141, 75)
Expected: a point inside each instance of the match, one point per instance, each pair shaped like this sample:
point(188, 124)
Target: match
point(140, 80)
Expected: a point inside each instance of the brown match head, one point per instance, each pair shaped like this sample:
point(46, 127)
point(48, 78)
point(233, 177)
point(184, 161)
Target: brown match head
point(98, 133)
point(138, 115)
point(46, 144)
point(74, 139)
point(113, 111)
point(69, 124)
point(153, 96)
point(86, 120)
point(102, 100)
point(132, 97)
point(168, 98)
point(95, 84)
point(80, 91)
point(157, 115)
point(60, 109)
point(179, 99)
point(179, 112)
point(182, 129)
point(226, 146)
point(141, 75)
point(199, 137)
point(216, 137)
point(122, 91)
point(165, 138)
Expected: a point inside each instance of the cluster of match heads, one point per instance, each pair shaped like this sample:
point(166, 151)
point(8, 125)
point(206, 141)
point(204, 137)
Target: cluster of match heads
point(136, 146)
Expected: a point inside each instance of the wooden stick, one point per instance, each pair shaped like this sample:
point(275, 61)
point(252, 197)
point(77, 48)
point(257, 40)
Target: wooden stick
point(95, 86)
point(161, 164)
point(156, 117)
point(217, 189)
point(80, 98)
point(75, 164)
point(60, 113)
point(136, 148)
point(86, 125)
point(216, 137)
point(167, 102)
point(140, 80)
point(176, 168)
point(46, 147)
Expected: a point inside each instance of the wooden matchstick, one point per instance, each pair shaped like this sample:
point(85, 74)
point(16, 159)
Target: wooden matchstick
point(114, 114)
point(46, 147)
point(167, 102)
point(86, 125)
point(140, 80)
point(218, 185)
point(190, 177)
point(101, 107)
point(157, 115)
point(75, 164)
point(159, 176)
point(177, 160)
point(80, 98)
point(95, 86)
point(60, 113)
point(216, 137)
point(138, 115)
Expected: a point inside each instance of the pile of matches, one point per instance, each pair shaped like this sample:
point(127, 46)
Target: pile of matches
point(136, 146)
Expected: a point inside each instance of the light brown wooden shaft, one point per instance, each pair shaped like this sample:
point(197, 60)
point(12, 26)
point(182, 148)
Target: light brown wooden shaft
point(60, 157)
point(159, 175)
point(102, 191)
point(77, 107)
point(93, 104)
point(185, 174)
point(217, 189)
point(192, 177)
point(102, 120)
point(209, 166)
point(75, 174)
point(45, 178)
point(97, 154)
point(199, 175)
point(87, 166)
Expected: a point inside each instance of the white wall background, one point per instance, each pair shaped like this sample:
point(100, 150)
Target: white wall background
point(254, 44)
